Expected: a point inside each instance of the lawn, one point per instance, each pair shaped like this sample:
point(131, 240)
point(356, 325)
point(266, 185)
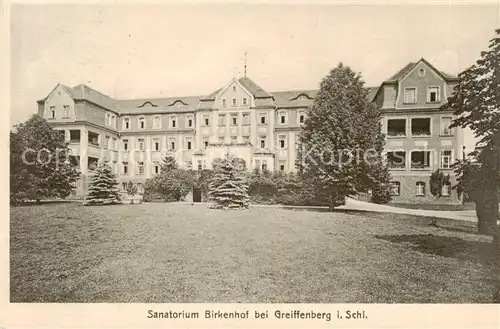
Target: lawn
point(183, 253)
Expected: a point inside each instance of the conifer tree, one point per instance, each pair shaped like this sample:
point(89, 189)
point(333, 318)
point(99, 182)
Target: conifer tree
point(228, 188)
point(169, 163)
point(341, 144)
point(103, 188)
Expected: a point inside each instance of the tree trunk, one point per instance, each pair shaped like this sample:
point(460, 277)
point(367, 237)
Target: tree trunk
point(487, 212)
point(496, 265)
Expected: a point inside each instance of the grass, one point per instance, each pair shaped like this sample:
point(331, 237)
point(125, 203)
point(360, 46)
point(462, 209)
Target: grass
point(183, 253)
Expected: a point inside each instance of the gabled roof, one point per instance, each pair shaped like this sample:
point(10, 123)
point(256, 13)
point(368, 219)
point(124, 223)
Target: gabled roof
point(372, 92)
point(253, 88)
point(410, 66)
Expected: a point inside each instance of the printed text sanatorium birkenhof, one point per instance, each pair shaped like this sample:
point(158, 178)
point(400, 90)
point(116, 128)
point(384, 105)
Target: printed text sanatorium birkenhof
point(258, 314)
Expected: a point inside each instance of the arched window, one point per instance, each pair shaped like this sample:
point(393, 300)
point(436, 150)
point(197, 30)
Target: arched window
point(420, 188)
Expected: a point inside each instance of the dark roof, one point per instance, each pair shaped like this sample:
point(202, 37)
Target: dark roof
point(401, 73)
point(405, 70)
point(253, 88)
point(290, 98)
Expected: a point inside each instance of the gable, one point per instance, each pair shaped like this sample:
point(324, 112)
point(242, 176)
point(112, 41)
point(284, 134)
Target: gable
point(421, 77)
point(57, 100)
point(234, 95)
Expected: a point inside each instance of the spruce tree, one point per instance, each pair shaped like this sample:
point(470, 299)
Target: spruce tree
point(341, 144)
point(103, 188)
point(228, 188)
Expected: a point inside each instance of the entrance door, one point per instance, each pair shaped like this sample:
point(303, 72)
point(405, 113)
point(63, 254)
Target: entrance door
point(196, 195)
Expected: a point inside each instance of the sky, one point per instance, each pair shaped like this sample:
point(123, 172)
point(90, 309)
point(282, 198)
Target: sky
point(159, 50)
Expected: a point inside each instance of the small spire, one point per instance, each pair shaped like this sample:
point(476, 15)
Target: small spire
point(245, 68)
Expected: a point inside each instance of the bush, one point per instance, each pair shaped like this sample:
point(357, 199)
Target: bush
point(169, 186)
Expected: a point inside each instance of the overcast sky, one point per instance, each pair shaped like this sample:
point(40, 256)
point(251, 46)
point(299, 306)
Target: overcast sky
point(132, 51)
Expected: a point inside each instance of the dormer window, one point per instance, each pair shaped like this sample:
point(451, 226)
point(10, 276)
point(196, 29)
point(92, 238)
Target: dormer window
point(178, 104)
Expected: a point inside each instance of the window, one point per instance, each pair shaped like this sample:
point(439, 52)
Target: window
point(420, 189)
point(125, 168)
point(445, 126)
point(234, 89)
point(156, 168)
point(206, 120)
point(188, 145)
point(156, 144)
point(264, 165)
point(66, 111)
point(140, 168)
point(234, 139)
point(125, 144)
point(126, 123)
point(234, 119)
point(205, 142)
point(282, 165)
point(221, 139)
point(245, 101)
point(222, 120)
point(282, 141)
point(107, 119)
point(173, 122)
point(396, 159)
point(410, 95)
point(157, 122)
point(234, 102)
point(124, 186)
point(446, 189)
point(446, 160)
point(396, 188)
point(190, 122)
point(262, 142)
point(246, 139)
point(396, 127)
point(107, 142)
point(113, 144)
point(200, 166)
point(113, 121)
point(246, 119)
point(282, 118)
point(420, 159)
point(433, 95)
point(53, 112)
point(172, 145)
point(140, 144)
point(302, 117)
point(262, 118)
point(421, 127)
point(142, 123)
point(224, 103)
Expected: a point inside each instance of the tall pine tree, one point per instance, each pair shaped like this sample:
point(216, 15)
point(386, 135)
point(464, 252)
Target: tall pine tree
point(103, 188)
point(228, 188)
point(341, 144)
